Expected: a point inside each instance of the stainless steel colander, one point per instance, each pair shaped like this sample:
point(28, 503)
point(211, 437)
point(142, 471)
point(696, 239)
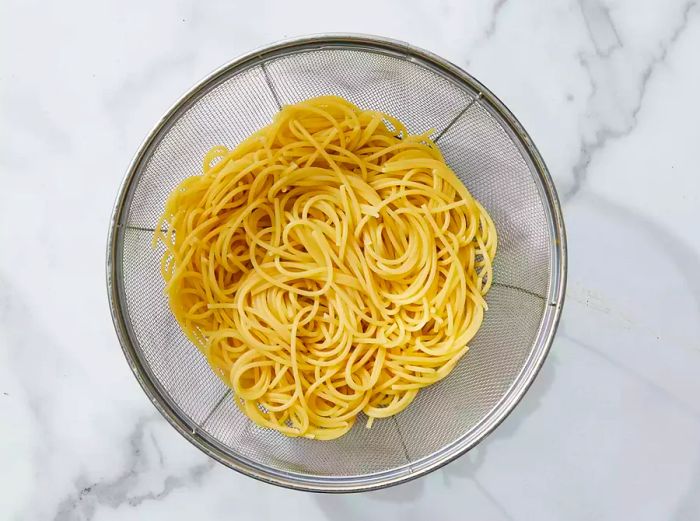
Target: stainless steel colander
point(489, 151)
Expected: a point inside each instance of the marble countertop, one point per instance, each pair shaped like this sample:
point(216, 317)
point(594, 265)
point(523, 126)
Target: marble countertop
point(608, 89)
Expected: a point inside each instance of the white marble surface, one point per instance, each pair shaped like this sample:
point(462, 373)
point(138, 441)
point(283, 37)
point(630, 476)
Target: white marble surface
point(609, 91)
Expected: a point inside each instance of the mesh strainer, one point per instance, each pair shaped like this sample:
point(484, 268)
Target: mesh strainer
point(489, 151)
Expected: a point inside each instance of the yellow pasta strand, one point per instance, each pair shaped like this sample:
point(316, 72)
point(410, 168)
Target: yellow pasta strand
point(330, 265)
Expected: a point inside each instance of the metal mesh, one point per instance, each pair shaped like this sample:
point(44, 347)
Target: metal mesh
point(483, 152)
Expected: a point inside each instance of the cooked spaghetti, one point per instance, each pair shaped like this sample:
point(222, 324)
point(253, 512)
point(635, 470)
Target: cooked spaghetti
point(330, 265)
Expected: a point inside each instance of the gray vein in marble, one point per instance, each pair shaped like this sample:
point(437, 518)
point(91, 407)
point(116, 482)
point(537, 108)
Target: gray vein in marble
point(495, 11)
point(114, 493)
point(688, 506)
point(161, 459)
point(25, 113)
point(600, 27)
point(490, 30)
point(90, 493)
point(15, 314)
point(494, 501)
point(607, 133)
point(655, 388)
point(685, 258)
point(134, 87)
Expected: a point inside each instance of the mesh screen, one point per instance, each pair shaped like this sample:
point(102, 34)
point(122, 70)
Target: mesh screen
point(482, 154)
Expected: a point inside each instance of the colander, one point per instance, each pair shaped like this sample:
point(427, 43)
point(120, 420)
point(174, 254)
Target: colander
point(488, 150)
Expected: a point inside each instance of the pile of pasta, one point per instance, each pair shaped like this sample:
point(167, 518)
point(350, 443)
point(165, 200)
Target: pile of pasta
point(330, 265)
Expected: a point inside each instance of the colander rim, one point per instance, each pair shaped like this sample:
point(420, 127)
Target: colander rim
point(317, 483)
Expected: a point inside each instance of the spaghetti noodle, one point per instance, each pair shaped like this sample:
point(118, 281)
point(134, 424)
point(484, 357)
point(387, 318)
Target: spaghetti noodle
point(330, 265)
